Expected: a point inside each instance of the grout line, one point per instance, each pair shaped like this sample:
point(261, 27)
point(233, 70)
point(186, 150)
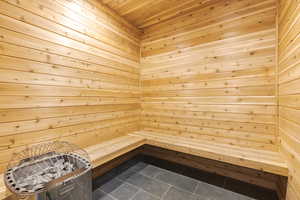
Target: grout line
point(165, 193)
point(191, 193)
point(125, 182)
point(169, 187)
point(152, 177)
point(155, 177)
point(135, 194)
point(108, 194)
point(194, 192)
point(139, 188)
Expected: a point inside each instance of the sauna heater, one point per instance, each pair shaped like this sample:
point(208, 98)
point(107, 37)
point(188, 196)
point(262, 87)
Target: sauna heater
point(53, 171)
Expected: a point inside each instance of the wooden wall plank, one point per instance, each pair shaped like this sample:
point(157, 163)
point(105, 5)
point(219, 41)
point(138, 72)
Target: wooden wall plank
point(69, 70)
point(209, 73)
point(289, 90)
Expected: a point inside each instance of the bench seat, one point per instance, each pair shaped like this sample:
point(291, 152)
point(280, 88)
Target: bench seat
point(106, 151)
point(101, 153)
point(268, 161)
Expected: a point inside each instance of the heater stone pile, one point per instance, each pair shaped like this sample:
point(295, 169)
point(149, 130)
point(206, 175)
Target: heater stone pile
point(58, 167)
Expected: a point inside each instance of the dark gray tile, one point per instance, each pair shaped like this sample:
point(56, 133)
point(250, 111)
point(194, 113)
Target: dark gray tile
point(141, 195)
point(128, 164)
point(212, 192)
point(110, 185)
point(136, 180)
point(209, 191)
point(138, 166)
point(178, 180)
point(152, 186)
point(124, 192)
point(126, 174)
point(178, 194)
point(151, 171)
point(100, 195)
point(99, 181)
point(134, 166)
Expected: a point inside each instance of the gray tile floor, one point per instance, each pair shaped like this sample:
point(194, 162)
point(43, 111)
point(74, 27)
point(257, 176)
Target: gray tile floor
point(144, 181)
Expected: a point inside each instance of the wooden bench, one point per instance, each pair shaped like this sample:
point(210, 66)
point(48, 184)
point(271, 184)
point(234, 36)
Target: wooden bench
point(267, 161)
point(106, 151)
point(100, 153)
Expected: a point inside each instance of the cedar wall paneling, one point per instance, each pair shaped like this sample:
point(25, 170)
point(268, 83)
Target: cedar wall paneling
point(289, 90)
point(209, 74)
point(69, 70)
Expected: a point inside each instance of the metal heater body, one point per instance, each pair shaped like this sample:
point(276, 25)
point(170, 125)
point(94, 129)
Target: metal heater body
point(78, 188)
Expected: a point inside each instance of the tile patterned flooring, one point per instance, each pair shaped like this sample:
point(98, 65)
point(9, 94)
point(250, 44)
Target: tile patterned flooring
point(141, 180)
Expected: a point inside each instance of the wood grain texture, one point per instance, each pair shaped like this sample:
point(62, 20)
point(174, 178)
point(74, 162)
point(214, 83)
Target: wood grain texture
point(148, 12)
point(210, 74)
point(69, 70)
point(289, 90)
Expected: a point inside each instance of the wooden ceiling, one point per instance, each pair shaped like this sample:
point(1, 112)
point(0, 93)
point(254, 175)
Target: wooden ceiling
point(144, 13)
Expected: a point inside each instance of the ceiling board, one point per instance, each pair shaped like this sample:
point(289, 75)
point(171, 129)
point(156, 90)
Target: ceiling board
point(144, 13)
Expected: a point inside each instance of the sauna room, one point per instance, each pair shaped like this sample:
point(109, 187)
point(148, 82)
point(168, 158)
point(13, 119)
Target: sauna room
point(150, 99)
